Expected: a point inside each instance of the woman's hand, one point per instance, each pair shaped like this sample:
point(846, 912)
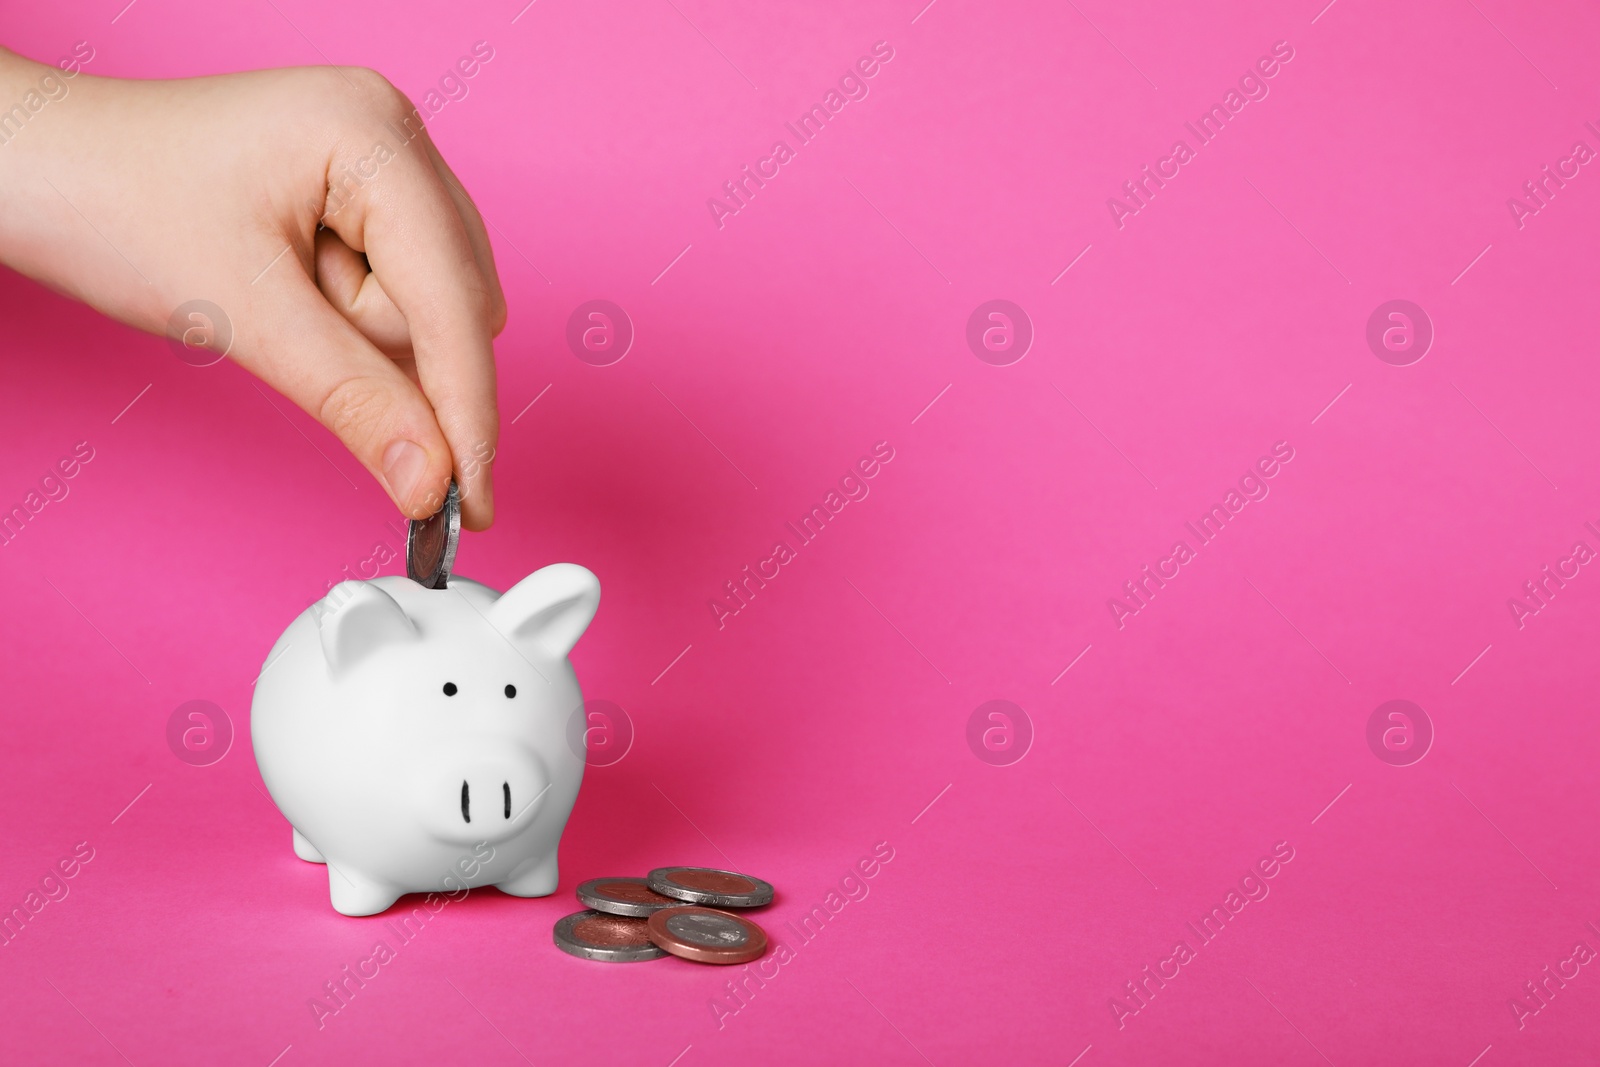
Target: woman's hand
point(310, 206)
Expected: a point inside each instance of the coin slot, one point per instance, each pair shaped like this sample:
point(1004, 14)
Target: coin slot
point(506, 786)
point(466, 803)
point(450, 689)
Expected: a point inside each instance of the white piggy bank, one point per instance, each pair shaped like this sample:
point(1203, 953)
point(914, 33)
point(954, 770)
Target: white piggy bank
point(416, 739)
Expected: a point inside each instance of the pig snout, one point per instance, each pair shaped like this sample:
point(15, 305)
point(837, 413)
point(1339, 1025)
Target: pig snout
point(472, 795)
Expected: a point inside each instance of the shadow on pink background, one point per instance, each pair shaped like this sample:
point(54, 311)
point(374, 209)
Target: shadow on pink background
point(1171, 755)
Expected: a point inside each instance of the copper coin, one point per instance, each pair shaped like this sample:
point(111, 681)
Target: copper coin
point(623, 896)
point(593, 935)
point(706, 935)
point(706, 885)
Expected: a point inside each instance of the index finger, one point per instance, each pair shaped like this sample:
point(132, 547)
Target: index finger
point(406, 223)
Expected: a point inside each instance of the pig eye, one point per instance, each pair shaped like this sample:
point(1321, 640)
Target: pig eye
point(449, 689)
point(511, 690)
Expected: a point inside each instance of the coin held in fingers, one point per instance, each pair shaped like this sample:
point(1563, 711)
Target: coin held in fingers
point(431, 543)
point(623, 896)
point(593, 935)
point(706, 935)
point(707, 885)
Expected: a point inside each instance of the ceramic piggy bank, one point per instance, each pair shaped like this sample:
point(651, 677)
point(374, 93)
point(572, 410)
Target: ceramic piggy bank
point(416, 739)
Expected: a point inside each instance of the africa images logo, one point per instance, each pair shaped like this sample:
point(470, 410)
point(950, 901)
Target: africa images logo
point(1138, 992)
point(852, 86)
point(853, 486)
point(1139, 591)
point(1139, 191)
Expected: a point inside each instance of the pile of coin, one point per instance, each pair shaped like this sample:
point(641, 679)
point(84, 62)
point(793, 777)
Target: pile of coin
point(630, 919)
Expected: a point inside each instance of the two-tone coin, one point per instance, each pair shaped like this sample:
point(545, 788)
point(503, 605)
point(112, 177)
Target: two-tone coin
point(707, 885)
point(594, 935)
point(706, 935)
point(623, 896)
point(431, 543)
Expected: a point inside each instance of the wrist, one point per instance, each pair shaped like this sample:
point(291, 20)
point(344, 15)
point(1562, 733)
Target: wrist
point(42, 110)
point(29, 89)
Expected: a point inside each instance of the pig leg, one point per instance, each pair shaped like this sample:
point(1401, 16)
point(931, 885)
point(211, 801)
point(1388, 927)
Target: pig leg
point(306, 850)
point(534, 878)
point(356, 894)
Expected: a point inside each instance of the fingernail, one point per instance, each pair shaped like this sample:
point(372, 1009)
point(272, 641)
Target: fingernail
point(404, 463)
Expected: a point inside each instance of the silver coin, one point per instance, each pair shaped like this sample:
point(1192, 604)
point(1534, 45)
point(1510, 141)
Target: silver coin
point(594, 935)
point(707, 885)
point(623, 896)
point(431, 543)
point(708, 929)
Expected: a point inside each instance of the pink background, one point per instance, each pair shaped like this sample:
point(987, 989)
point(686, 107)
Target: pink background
point(826, 716)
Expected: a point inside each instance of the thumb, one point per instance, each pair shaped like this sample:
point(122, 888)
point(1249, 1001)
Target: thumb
point(296, 342)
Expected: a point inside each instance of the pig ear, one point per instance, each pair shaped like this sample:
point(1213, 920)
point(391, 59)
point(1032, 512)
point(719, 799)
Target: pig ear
point(356, 619)
point(548, 609)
